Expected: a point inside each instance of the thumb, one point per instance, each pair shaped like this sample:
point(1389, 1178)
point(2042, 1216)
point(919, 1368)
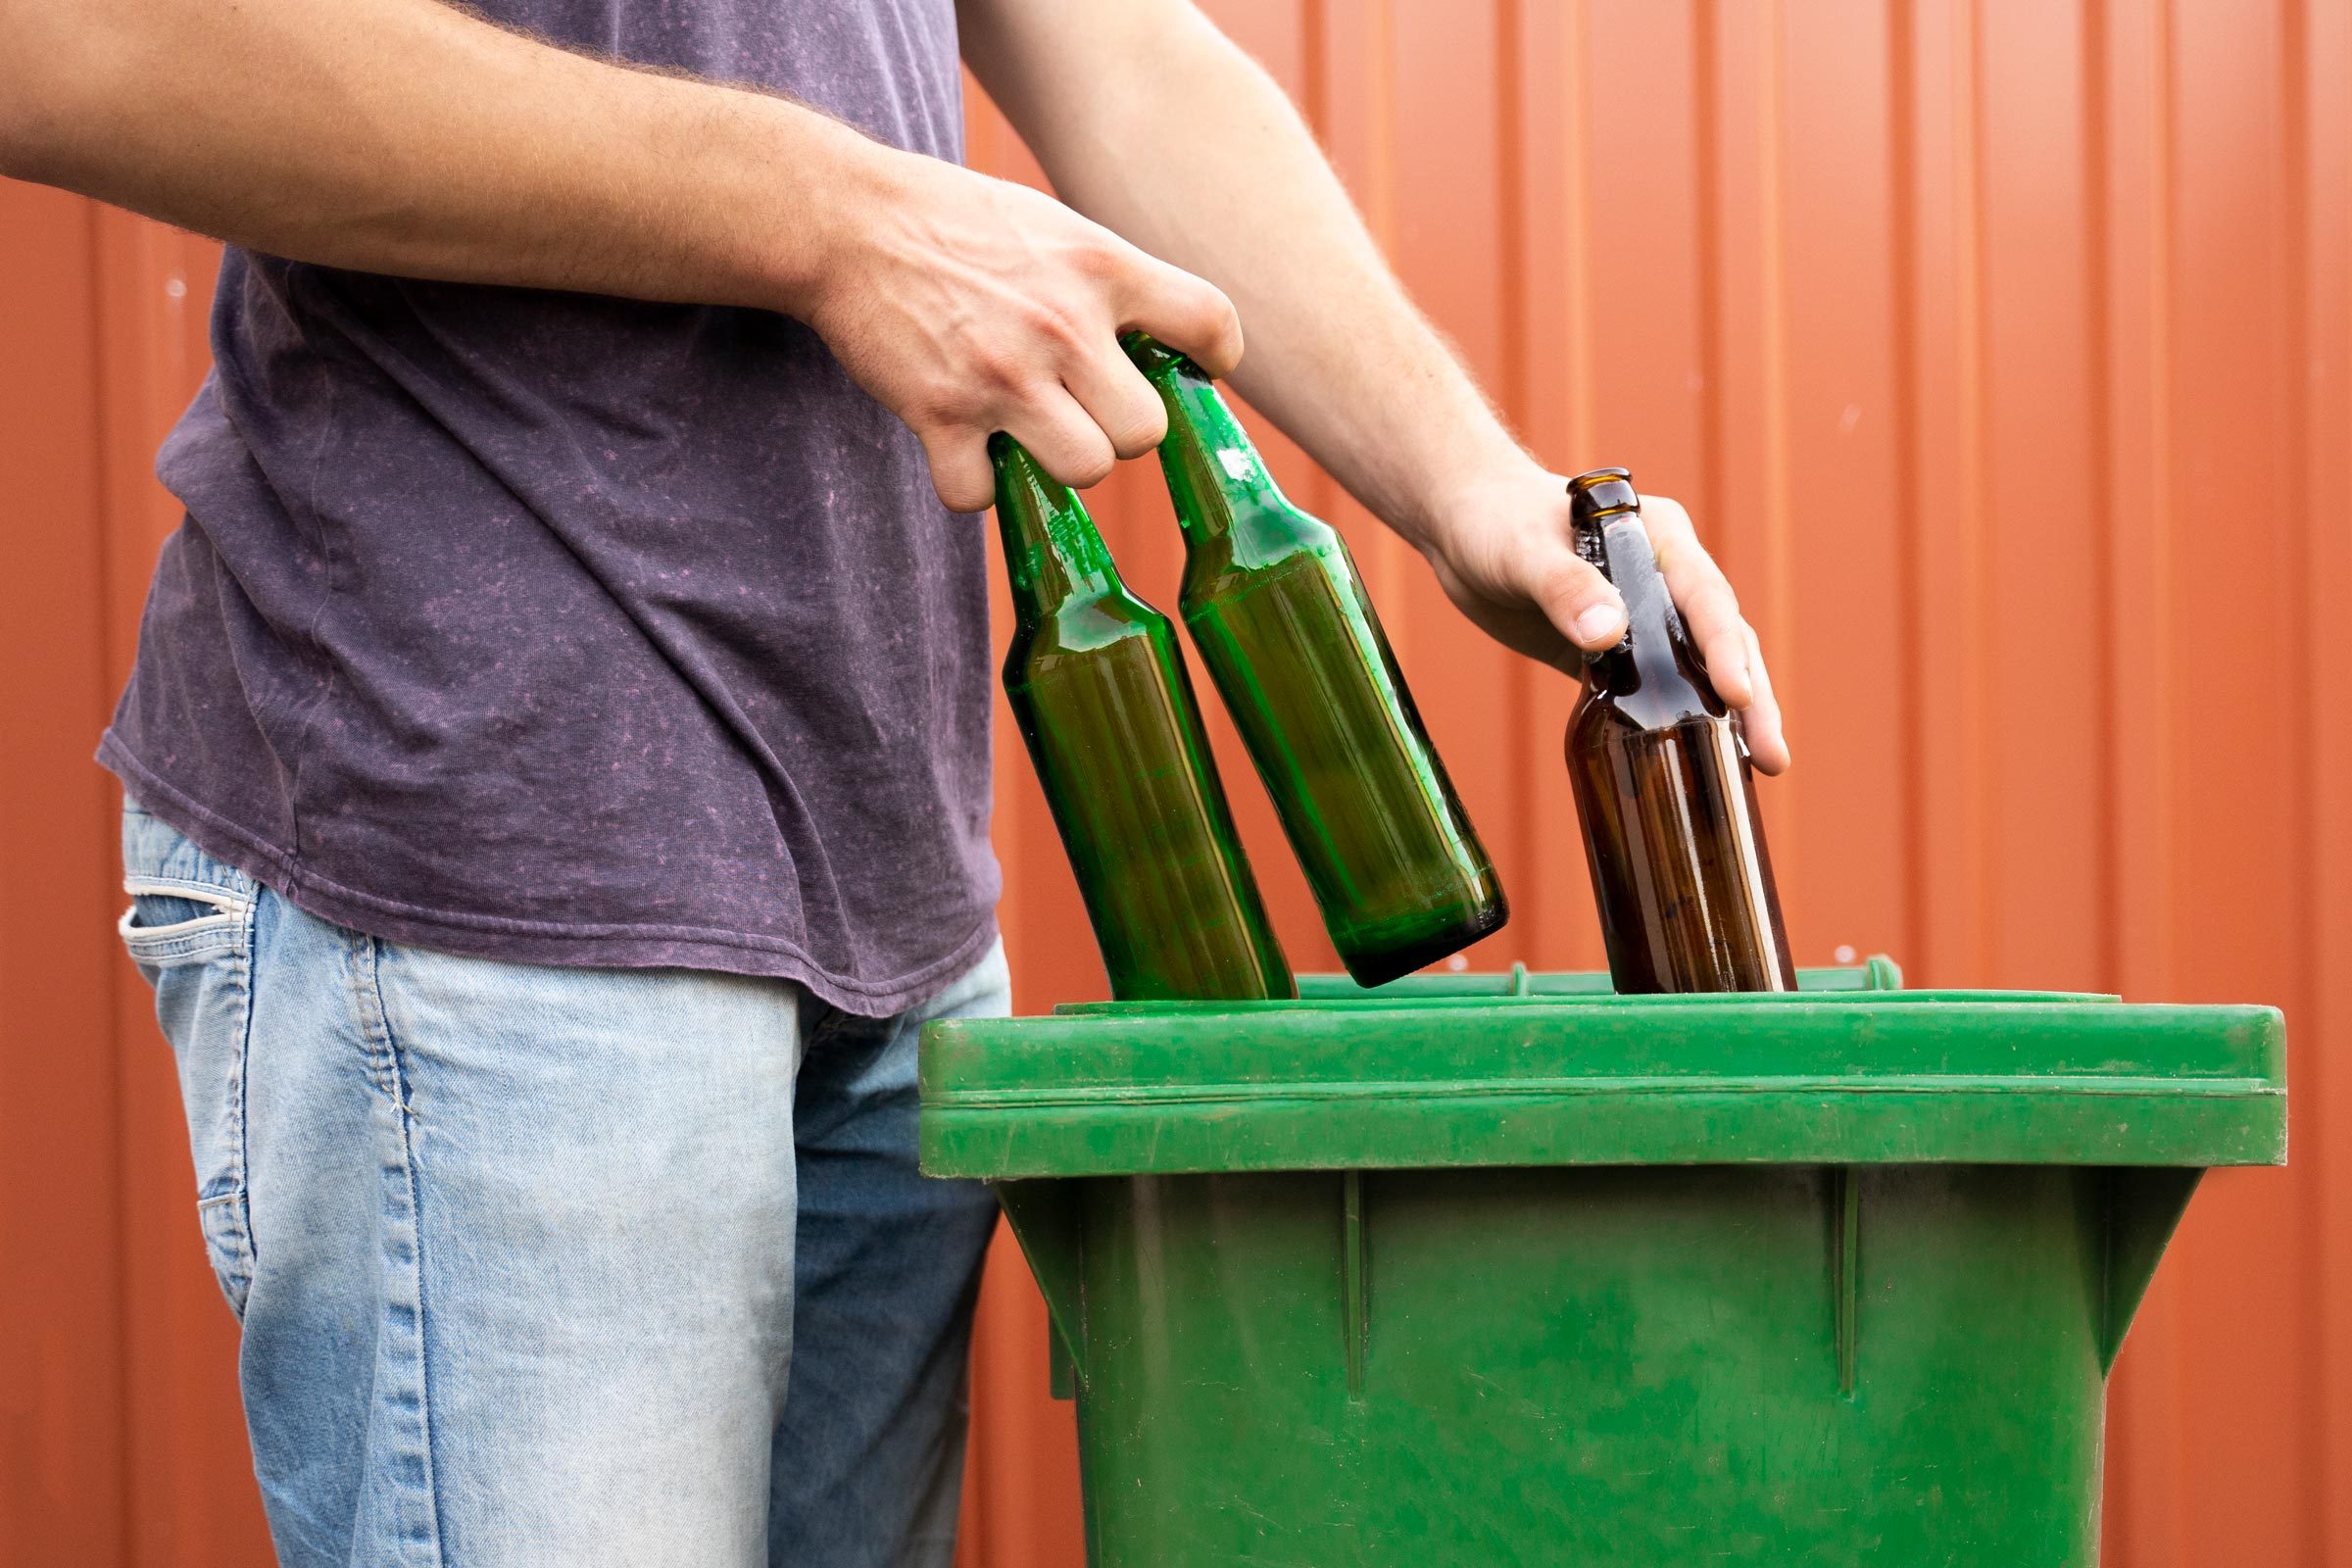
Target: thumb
point(1582, 604)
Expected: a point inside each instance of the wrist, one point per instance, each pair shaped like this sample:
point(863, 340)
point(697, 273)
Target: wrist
point(794, 204)
point(1469, 486)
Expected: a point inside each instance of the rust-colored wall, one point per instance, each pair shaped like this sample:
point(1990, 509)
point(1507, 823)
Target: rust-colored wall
point(2004, 351)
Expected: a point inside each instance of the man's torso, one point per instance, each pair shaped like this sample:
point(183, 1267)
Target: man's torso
point(569, 629)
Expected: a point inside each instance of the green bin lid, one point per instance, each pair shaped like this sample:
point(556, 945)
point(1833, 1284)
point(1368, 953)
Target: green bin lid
point(1556, 1070)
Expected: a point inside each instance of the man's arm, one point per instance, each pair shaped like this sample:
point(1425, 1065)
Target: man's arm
point(408, 137)
point(1148, 120)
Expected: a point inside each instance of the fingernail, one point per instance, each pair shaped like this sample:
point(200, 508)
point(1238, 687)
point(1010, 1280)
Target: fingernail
point(1595, 623)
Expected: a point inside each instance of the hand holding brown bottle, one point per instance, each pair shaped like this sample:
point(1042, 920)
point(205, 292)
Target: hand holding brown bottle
point(1505, 549)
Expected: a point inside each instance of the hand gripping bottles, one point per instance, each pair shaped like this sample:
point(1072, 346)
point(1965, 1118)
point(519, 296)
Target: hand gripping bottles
point(1283, 624)
point(1664, 786)
point(1100, 692)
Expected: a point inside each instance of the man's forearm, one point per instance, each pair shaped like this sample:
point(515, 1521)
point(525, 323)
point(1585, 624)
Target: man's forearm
point(406, 137)
point(1201, 159)
point(1150, 121)
point(403, 137)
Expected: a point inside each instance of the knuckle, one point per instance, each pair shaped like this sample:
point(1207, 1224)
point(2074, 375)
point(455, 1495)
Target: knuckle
point(1228, 319)
point(1056, 325)
point(1032, 318)
point(1090, 462)
point(1041, 316)
point(1220, 327)
point(944, 408)
point(1068, 327)
point(996, 371)
point(1135, 439)
point(962, 488)
point(1082, 454)
point(1140, 429)
point(1096, 258)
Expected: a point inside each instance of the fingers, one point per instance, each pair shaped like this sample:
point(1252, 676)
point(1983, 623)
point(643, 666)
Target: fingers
point(1062, 436)
point(1114, 395)
point(1726, 642)
point(1075, 399)
point(1710, 609)
point(967, 481)
point(1024, 339)
point(1064, 439)
point(1767, 740)
point(1187, 314)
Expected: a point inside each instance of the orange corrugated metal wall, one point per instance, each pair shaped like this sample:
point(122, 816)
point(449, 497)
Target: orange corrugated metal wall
point(2002, 349)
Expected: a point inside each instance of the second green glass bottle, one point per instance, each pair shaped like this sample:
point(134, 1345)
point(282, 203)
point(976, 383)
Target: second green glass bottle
point(1098, 687)
point(1279, 613)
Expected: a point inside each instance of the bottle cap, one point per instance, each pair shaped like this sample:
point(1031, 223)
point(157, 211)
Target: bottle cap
point(1603, 491)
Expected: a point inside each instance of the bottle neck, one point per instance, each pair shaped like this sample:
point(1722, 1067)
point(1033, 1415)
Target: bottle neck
point(1215, 476)
point(1053, 551)
point(1653, 667)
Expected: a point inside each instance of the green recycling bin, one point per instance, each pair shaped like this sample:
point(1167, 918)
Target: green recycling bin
point(1486, 1270)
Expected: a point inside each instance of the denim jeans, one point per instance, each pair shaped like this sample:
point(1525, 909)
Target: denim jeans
point(562, 1268)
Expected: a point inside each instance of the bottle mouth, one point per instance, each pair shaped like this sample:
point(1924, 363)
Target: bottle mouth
point(1152, 356)
point(1603, 490)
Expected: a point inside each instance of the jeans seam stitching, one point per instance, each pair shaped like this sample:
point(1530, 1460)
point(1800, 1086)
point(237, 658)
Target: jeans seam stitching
point(376, 1023)
point(241, 968)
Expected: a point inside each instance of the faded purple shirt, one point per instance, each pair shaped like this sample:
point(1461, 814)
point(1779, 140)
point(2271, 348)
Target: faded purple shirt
point(575, 630)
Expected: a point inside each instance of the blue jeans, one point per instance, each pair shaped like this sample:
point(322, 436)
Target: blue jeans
point(558, 1268)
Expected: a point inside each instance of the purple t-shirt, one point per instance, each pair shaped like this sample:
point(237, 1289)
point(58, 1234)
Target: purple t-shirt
point(578, 630)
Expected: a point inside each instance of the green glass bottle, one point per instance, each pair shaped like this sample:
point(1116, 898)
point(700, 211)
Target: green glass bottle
point(1099, 689)
point(1279, 613)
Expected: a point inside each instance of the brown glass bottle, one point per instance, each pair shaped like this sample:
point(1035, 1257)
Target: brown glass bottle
point(1664, 785)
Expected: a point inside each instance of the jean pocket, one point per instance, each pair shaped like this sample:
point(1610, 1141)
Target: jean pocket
point(173, 921)
point(228, 1225)
point(192, 939)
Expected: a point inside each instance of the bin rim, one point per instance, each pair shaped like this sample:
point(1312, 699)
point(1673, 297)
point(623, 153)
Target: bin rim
point(1837, 1077)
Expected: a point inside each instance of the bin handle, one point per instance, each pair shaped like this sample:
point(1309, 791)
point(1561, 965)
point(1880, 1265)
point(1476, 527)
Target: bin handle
point(2142, 1208)
point(1049, 1224)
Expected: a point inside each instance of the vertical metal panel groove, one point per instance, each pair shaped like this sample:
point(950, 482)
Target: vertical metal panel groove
point(1902, 265)
point(1526, 748)
point(1314, 86)
point(1976, 498)
point(2327, 527)
point(111, 1535)
point(1772, 590)
point(1772, 139)
point(2144, 1521)
point(2100, 329)
point(2290, 353)
point(1707, 241)
point(2289, 356)
point(2164, 544)
point(1577, 129)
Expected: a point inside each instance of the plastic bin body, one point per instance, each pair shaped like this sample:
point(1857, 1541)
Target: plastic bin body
point(1560, 1278)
